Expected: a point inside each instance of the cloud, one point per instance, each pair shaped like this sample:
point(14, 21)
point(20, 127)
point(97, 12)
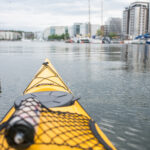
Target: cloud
point(38, 14)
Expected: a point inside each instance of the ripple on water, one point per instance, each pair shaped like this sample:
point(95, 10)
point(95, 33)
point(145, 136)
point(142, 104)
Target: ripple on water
point(107, 125)
point(133, 129)
point(121, 139)
point(107, 130)
point(107, 120)
point(130, 133)
point(135, 146)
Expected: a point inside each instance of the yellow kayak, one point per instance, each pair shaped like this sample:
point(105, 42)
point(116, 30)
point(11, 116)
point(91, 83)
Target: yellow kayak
point(49, 117)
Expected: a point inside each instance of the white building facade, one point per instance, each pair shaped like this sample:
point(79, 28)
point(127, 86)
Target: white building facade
point(71, 31)
point(138, 19)
point(54, 30)
point(10, 35)
point(149, 19)
point(135, 19)
point(76, 30)
point(46, 33)
point(94, 29)
point(82, 29)
point(59, 30)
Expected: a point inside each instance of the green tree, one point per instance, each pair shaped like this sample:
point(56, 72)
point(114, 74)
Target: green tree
point(58, 37)
point(99, 32)
point(112, 34)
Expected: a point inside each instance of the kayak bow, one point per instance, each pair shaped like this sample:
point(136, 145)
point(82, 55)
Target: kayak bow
point(49, 117)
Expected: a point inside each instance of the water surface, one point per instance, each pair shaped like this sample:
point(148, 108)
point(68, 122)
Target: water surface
point(112, 80)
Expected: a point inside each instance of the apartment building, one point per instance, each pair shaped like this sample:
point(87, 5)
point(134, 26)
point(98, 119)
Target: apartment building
point(136, 19)
point(9, 35)
point(113, 25)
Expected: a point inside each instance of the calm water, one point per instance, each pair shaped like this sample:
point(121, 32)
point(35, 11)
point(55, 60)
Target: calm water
point(113, 81)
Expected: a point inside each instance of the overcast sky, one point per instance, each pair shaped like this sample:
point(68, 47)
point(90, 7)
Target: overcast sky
point(36, 15)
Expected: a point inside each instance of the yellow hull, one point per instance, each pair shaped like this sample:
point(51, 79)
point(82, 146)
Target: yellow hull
point(47, 79)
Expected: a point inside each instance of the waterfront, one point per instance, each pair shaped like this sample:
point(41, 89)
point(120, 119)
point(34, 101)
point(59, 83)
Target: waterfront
point(112, 80)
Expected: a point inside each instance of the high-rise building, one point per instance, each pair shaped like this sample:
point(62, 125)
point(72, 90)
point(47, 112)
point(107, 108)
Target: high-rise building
point(113, 25)
point(125, 22)
point(138, 23)
point(135, 19)
point(105, 30)
point(149, 18)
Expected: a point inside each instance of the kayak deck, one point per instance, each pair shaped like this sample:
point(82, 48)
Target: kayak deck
point(64, 127)
point(47, 79)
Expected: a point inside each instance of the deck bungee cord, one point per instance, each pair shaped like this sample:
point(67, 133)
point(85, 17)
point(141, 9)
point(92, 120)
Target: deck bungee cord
point(59, 128)
point(48, 116)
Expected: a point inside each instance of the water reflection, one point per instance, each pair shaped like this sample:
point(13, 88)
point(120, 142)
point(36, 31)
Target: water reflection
point(0, 87)
point(136, 57)
point(146, 53)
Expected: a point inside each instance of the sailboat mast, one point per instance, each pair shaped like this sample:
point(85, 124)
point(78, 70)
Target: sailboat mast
point(89, 24)
point(102, 25)
point(102, 12)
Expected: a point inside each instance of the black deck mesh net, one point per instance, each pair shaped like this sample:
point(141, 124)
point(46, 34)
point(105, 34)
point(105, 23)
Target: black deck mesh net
point(34, 124)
